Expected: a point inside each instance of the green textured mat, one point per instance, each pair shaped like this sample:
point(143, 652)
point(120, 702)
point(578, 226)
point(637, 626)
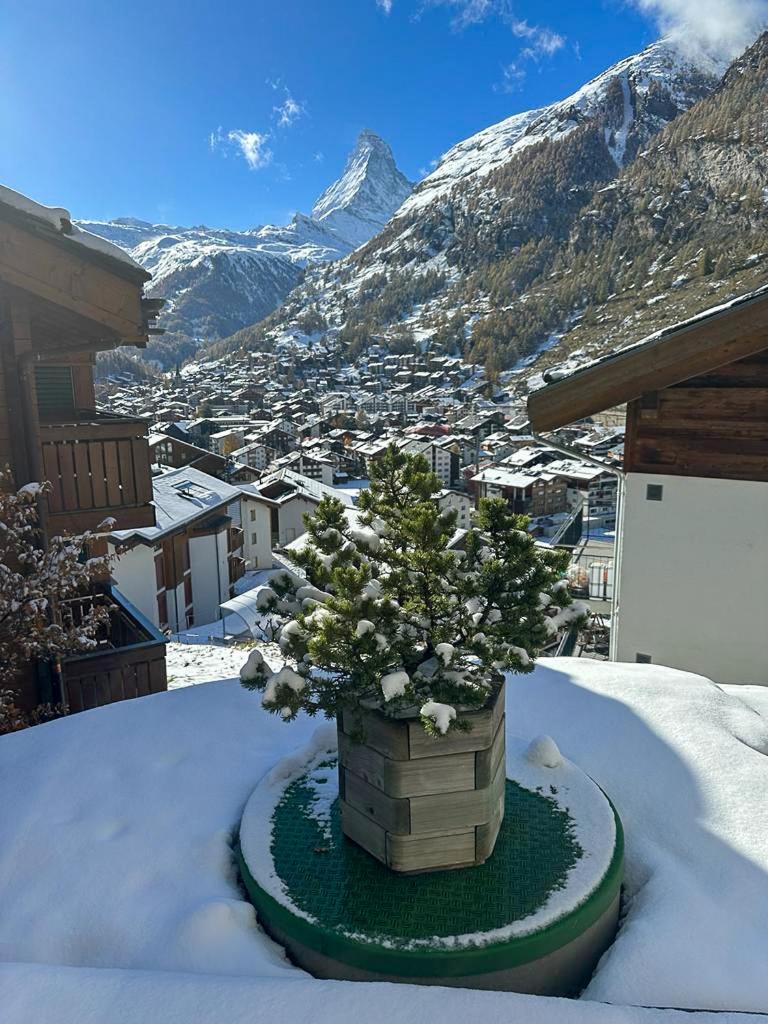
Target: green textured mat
point(351, 892)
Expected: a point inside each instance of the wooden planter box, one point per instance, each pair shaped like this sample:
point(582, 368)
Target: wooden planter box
point(423, 803)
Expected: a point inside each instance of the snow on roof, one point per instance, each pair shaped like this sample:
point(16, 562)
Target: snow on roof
point(60, 220)
point(180, 496)
point(299, 484)
point(681, 760)
point(500, 477)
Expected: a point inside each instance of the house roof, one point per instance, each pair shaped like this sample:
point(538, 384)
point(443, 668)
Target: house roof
point(181, 496)
point(58, 221)
point(720, 335)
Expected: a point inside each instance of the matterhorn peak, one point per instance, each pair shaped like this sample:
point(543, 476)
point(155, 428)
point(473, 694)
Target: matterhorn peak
point(371, 188)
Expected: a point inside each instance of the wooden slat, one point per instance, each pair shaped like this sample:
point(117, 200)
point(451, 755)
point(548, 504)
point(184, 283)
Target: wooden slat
point(126, 473)
point(686, 405)
point(368, 764)
point(693, 350)
point(158, 681)
point(116, 685)
point(487, 761)
point(414, 853)
point(392, 815)
point(362, 830)
point(450, 810)
point(98, 475)
point(142, 471)
point(83, 470)
point(67, 476)
point(51, 470)
point(387, 737)
point(142, 679)
point(445, 774)
point(112, 467)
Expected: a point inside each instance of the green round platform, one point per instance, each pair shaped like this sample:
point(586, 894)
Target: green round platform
point(341, 913)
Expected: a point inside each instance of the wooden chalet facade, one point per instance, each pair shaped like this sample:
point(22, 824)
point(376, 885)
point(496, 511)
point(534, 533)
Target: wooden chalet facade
point(64, 296)
point(692, 554)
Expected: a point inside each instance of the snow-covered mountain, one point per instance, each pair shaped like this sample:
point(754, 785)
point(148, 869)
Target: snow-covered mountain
point(217, 280)
point(503, 210)
point(631, 101)
point(369, 191)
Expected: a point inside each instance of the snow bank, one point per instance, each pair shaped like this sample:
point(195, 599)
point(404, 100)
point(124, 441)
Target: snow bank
point(115, 852)
point(60, 995)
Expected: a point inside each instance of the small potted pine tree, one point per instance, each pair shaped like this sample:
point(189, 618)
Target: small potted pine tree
point(404, 636)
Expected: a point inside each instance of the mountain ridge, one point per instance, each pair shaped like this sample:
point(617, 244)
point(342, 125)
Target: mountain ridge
point(216, 280)
point(516, 247)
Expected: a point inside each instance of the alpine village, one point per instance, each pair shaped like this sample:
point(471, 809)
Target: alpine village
point(384, 592)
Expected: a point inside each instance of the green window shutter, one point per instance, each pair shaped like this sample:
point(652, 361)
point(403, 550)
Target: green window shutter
point(55, 391)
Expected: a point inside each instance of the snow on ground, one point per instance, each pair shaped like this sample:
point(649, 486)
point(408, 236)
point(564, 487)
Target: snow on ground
point(118, 895)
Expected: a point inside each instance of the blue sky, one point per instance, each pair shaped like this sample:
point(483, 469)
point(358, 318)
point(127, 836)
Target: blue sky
point(238, 112)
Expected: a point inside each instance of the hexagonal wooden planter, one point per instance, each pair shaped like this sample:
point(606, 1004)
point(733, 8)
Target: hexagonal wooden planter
point(423, 803)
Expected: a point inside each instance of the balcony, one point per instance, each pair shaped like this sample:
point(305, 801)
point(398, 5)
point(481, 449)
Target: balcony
point(129, 661)
point(98, 467)
point(236, 568)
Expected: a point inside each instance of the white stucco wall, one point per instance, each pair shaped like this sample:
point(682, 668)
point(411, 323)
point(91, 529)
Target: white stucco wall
point(291, 517)
point(257, 554)
point(210, 575)
point(693, 590)
point(134, 575)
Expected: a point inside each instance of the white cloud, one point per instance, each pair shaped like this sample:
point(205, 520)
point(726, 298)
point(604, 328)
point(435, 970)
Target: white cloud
point(385, 5)
point(722, 26)
point(543, 41)
point(288, 111)
point(318, 157)
point(512, 78)
point(252, 146)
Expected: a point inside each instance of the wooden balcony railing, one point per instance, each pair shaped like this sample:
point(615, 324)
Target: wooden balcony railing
point(129, 661)
point(236, 568)
point(98, 467)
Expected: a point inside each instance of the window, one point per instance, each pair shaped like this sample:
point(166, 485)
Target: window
point(55, 391)
point(162, 609)
point(253, 515)
point(643, 659)
point(159, 572)
point(254, 538)
point(188, 590)
point(654, 492)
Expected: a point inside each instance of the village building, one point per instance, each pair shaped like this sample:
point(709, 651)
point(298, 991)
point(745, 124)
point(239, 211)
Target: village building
point(693, 518)
point(178, 571)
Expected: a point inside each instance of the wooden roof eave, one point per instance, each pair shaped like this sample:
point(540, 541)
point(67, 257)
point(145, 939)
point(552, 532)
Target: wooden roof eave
point(688, 350)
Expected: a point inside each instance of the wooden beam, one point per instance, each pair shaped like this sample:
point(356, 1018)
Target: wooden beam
point(49, 271)
point(693, 349)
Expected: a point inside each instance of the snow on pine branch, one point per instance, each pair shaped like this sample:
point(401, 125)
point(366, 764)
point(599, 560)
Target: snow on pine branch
point(385, 612)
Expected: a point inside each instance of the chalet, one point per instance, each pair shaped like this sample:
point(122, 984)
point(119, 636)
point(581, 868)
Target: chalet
point(692, 552)
point(289, 497)
point(64, 296)
point(178, 571)
point(172, 453)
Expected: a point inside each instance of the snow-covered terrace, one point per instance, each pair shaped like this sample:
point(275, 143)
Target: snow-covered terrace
point(120, 903)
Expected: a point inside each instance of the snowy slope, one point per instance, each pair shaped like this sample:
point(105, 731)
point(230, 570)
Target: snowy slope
point(217, 280)
point(499, 190)
point(661, 68)
point(119, 896)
